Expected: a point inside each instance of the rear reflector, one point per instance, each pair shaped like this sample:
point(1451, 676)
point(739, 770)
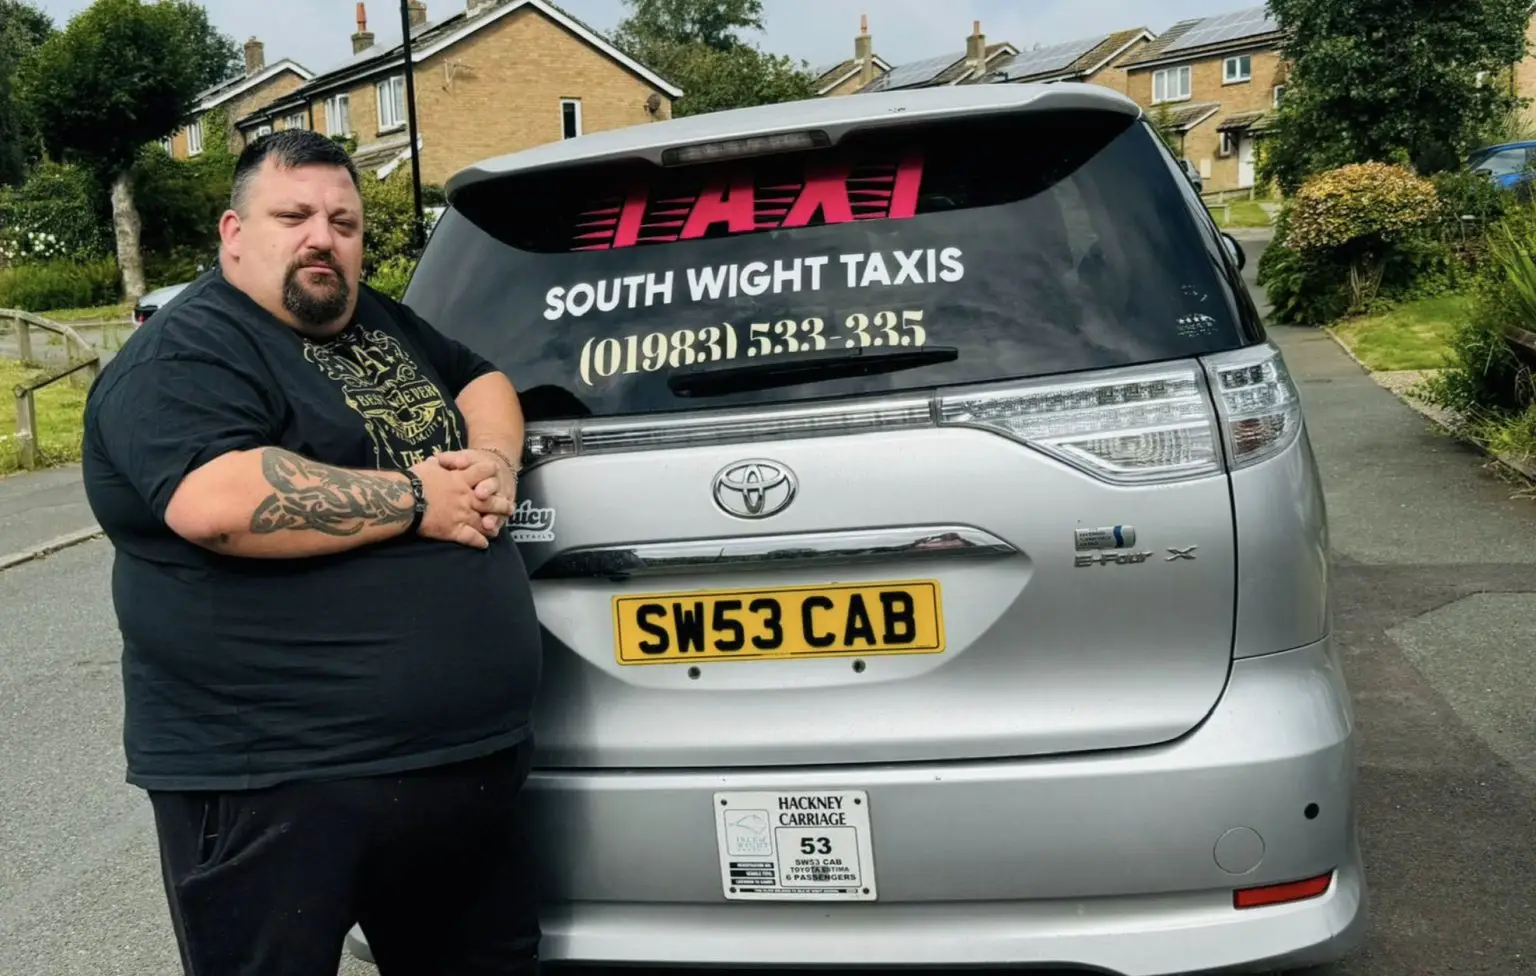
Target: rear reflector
point(1281, 894)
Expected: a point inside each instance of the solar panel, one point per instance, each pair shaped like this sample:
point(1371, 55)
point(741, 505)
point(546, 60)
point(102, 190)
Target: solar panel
point(915, 73)
point(1225, 27)
point(1050, 59)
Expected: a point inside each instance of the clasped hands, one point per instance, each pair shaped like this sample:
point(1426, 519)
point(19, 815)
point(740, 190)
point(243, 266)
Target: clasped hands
point(470, 494)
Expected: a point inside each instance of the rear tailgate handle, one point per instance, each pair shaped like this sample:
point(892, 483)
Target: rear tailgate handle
point(756, 552)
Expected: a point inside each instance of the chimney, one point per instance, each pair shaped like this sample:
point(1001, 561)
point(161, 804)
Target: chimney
point(976, 49)
point(863, 52)
point(255, 56)
point(418, 12)
point(363, 39)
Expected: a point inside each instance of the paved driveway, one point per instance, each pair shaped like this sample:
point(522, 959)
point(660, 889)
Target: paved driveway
point(1436, 576)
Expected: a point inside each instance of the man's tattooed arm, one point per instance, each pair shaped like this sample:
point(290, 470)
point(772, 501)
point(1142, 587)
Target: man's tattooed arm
point(309, 496)
point(270, 503)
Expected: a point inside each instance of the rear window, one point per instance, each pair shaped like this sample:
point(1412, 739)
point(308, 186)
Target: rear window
point(904, 258)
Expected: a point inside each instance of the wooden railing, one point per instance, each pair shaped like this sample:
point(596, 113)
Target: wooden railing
point(89, 361)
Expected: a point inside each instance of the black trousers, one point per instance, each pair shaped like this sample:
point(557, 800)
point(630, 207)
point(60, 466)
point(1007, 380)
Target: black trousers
point(432, 864)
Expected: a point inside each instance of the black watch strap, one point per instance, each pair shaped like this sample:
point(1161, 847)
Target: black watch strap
point(419, 493)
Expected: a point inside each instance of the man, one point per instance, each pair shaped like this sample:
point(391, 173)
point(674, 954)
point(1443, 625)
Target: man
point(329, 647)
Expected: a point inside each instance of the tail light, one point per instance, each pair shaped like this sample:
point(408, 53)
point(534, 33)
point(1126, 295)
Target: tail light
point(1134, 426)
point(1129, 426)
point(1259, 406)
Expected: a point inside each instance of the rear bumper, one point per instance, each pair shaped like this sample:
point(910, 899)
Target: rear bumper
point(1114, 861)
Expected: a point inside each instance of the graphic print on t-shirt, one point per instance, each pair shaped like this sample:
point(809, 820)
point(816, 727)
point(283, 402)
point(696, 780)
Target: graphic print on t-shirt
point(405, 413)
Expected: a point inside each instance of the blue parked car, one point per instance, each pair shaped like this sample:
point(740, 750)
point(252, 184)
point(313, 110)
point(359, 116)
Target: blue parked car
point(1509, 165)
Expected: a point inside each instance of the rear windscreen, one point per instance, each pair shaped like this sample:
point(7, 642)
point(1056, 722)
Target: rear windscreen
point(901, 259)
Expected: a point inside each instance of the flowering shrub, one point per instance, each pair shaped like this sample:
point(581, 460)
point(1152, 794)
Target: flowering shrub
point(59, 213)
point(1348, 230)
point(1367, 203)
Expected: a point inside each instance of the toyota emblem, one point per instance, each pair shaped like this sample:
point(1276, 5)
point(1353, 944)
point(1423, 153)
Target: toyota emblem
point(754, 489)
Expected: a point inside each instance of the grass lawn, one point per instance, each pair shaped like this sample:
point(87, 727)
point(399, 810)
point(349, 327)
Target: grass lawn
point(89, 314)
point(60, 410)
point(1245, 213)
point(1412, 336)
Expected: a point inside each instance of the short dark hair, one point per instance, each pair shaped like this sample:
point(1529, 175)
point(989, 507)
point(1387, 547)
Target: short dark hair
point(290, 148)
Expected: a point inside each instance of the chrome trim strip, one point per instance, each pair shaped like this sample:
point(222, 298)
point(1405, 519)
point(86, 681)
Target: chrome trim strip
point(755, 552)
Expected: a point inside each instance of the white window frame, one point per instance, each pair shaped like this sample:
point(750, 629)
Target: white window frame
point(1227, 144)
point(396, 117)
point(169, 144)
point(1165, 79)
point(576, 104)
point(1279, 94)
point(338, 115)
point(1237, 69)
point(263, 130)
point(195, 138)
point(294, 121)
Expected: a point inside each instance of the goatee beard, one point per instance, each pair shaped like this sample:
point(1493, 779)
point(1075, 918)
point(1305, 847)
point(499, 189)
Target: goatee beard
point(315, 311)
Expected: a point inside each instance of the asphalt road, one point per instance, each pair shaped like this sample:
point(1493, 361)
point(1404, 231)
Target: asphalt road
point(1436, 589)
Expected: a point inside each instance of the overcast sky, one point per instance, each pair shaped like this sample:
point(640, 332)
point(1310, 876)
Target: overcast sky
point(315, 32)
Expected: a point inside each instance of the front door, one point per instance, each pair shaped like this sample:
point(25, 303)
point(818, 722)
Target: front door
point(1245, 169)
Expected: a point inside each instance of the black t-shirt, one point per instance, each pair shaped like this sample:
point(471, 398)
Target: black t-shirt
point(240, 673)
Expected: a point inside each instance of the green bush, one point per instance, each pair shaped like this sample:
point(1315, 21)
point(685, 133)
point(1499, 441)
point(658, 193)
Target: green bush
point(388, 209)
point(1485, 381)
point(61, 211)
point(180, 202)
point(1356, 216)
point(393, 275)
point(42, 286)
point(1360, 239)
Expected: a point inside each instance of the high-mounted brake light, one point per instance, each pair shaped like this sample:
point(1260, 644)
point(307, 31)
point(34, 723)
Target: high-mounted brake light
point(780, 142)
point(1260, 408)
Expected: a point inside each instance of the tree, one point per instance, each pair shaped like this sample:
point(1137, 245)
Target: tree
point(122, 73)
point(23, 28)
point(698, 45)
point(1388, 81)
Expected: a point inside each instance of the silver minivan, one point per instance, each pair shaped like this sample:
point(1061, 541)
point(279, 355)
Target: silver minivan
point(929, 548)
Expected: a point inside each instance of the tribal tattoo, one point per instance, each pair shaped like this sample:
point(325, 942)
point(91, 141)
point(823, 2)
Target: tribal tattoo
point(321, 498)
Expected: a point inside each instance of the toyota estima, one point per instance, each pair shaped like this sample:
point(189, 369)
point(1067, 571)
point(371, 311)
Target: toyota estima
point(927, 540)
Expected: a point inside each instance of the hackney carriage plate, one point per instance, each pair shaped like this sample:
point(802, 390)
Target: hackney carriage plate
point(806, 845)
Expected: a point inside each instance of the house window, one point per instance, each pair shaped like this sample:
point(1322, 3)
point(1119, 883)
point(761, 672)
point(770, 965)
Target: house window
point(1238, 69)
point(195, 138)
point(263, 130)
point(294, 121)
point(167, 144)
point(570, 117)
point(391, 93)
point(1279, 95)
point(1228, 144)
point(338, 115)
point(1171, 84)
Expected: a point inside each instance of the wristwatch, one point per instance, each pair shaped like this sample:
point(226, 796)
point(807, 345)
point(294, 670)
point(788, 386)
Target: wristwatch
point(419, 493)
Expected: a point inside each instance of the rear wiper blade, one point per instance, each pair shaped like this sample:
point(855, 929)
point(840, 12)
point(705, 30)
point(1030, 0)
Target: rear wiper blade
point(718, 379)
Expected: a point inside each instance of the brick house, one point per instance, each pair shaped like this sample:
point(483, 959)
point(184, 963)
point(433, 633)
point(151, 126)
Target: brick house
point(847, 77)
point(1218, 78)
point(260, 85)
point(491, 77)
point(966, 67)
point(1522, 77)
point(1092, 60)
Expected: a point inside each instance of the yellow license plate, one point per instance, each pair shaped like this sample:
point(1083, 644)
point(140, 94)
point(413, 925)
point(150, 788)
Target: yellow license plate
point(798, 622)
